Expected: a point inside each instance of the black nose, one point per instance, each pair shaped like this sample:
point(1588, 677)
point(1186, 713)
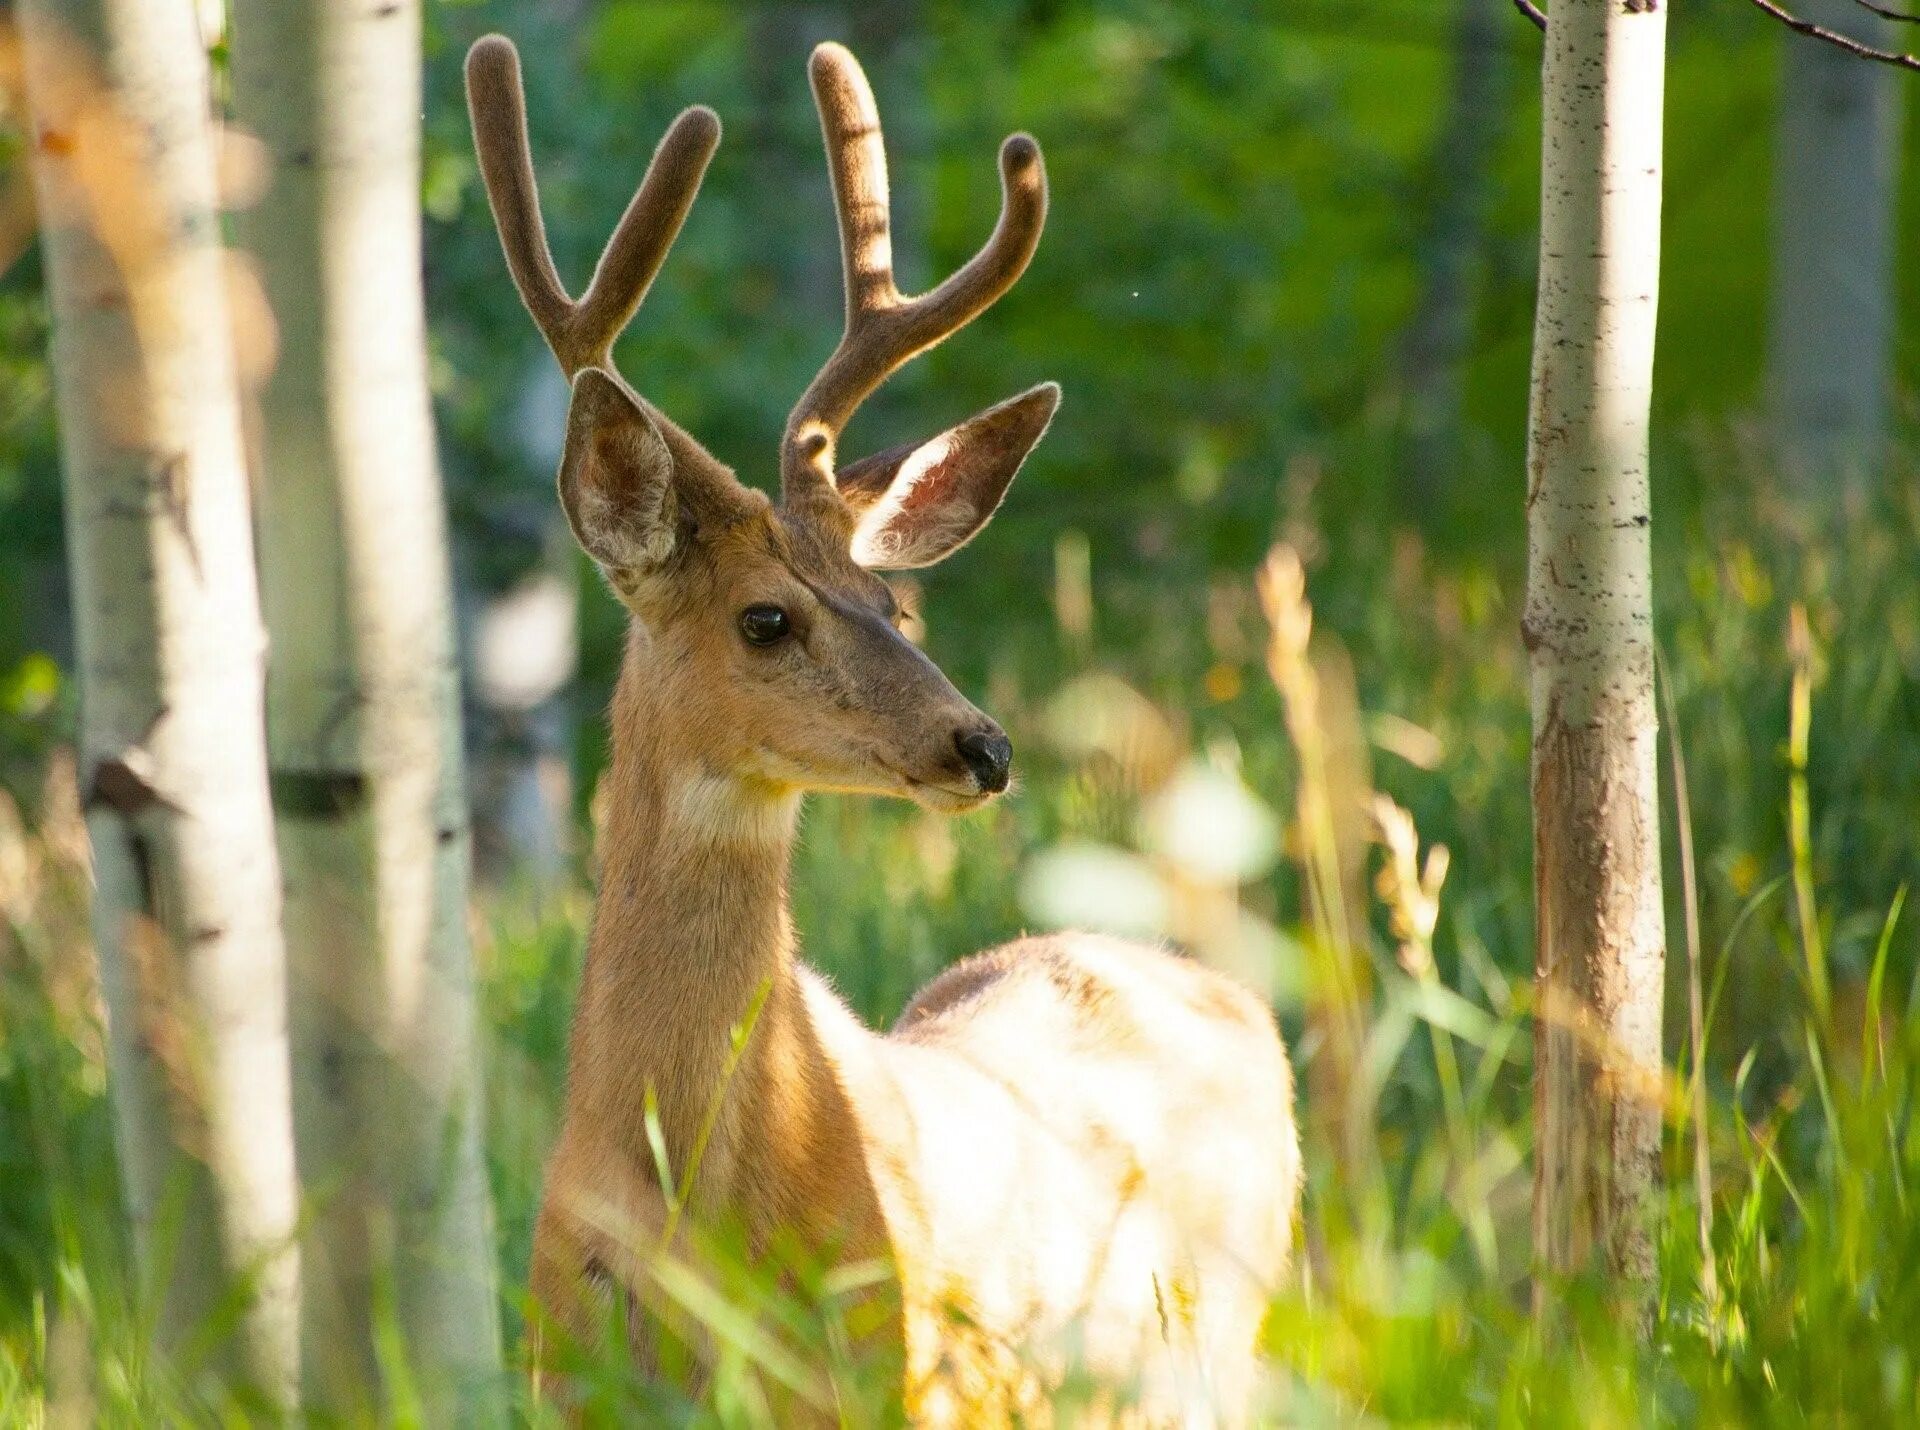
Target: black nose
point(989, 754)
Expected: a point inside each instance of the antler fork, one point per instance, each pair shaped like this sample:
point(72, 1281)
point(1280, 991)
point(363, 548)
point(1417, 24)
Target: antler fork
point(581, 333)
point(884, 328)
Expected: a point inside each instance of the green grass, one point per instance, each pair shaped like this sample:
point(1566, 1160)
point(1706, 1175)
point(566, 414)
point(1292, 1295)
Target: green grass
point(1413, 1297)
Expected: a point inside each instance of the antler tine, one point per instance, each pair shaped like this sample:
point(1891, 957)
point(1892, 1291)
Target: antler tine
point(647, 229)
point(857, 161)
point(581, 333)
point(497, 109)
point(884, 329)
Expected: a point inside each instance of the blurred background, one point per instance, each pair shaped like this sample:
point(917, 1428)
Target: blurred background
point(1288, 276)
point(1287, 285)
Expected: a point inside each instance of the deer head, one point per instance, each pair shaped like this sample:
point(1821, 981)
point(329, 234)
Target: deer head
point(768, 632)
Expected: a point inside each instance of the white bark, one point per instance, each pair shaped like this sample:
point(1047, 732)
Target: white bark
point(522, 646)
point(167, 623)
point(1600, 941)
point(525, 642)
point(363, 714)
point(1836, 192)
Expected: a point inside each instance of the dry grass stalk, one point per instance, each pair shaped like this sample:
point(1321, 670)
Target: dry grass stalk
point(1321, 801)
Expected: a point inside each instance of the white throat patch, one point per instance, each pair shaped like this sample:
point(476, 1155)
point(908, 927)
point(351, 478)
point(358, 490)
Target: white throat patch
point(733, 811)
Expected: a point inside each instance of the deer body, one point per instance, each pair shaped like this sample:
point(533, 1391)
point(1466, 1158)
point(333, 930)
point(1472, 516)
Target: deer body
point(1063, 1141)
point(1071, 1151)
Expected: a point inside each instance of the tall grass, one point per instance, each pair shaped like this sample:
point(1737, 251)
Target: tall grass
point(1789, 1285)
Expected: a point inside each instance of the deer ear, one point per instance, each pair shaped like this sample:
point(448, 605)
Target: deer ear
point(616, 476)
point(919, 503)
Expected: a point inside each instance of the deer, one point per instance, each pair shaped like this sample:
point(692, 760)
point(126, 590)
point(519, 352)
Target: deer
point(1072, 1153)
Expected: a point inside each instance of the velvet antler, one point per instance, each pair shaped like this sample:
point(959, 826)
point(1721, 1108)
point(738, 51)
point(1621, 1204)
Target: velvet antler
point(580, 333)
point(885, 329)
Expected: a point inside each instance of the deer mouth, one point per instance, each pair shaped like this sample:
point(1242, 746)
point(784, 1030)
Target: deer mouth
point(941, 798)
point(944, 799)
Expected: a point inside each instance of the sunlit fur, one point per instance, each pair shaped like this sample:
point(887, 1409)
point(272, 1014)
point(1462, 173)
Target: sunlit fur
point(1073, 1150)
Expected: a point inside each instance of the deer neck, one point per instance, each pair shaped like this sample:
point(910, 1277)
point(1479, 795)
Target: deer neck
point(691, 932)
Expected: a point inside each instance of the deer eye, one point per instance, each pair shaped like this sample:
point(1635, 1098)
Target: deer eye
point(764, 625)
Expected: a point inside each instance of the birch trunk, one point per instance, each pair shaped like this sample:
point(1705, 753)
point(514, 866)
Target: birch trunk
point(1600, 941)
point(524, 642)
point(186, 910)
point(1439, 338)
point(363, 713)
point(522, 645)
point(1836, 187)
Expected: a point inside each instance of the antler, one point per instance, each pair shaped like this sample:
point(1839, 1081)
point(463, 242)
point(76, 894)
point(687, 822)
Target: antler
point(885, 329)
point(580, 333)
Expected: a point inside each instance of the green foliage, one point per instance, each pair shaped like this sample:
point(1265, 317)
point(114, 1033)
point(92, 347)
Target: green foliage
point(1412, 1300)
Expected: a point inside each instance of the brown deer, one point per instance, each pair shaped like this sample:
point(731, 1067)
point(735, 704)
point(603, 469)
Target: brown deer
point(1073, 1152)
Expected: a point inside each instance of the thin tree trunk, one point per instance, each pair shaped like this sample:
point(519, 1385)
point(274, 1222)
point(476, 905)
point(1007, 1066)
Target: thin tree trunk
point(522, 645)
point(1440, 335)
point(1836, 186)
point(805, 266)
point(1600, 940)
point(363, 712)
point(167, 623)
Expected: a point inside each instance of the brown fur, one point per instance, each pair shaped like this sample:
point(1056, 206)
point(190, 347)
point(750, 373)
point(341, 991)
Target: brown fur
point(1072, 1151)
point(1060, 1138)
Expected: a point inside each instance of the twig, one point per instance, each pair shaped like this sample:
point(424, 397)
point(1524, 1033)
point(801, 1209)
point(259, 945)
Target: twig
point(1801, 27)
point(1898, 16)
point(1834, 37)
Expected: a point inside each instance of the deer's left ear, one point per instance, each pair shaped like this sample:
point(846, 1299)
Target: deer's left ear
point(919, 503)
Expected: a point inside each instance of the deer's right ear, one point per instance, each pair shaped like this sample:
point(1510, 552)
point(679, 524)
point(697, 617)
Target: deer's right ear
point(616, 477)
point(920, 502)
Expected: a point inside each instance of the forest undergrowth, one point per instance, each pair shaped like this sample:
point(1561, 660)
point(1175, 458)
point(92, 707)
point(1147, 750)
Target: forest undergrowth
point(1318, 779)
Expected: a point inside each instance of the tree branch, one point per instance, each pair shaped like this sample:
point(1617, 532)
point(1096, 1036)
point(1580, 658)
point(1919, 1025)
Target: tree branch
point(1900, 16)
point(1801, 27)
point(1833, 37)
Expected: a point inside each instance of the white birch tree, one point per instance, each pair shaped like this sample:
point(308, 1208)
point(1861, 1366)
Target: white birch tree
point(1599, 930)
point(167, 618)
point(363, 711)
point(1835, 201)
